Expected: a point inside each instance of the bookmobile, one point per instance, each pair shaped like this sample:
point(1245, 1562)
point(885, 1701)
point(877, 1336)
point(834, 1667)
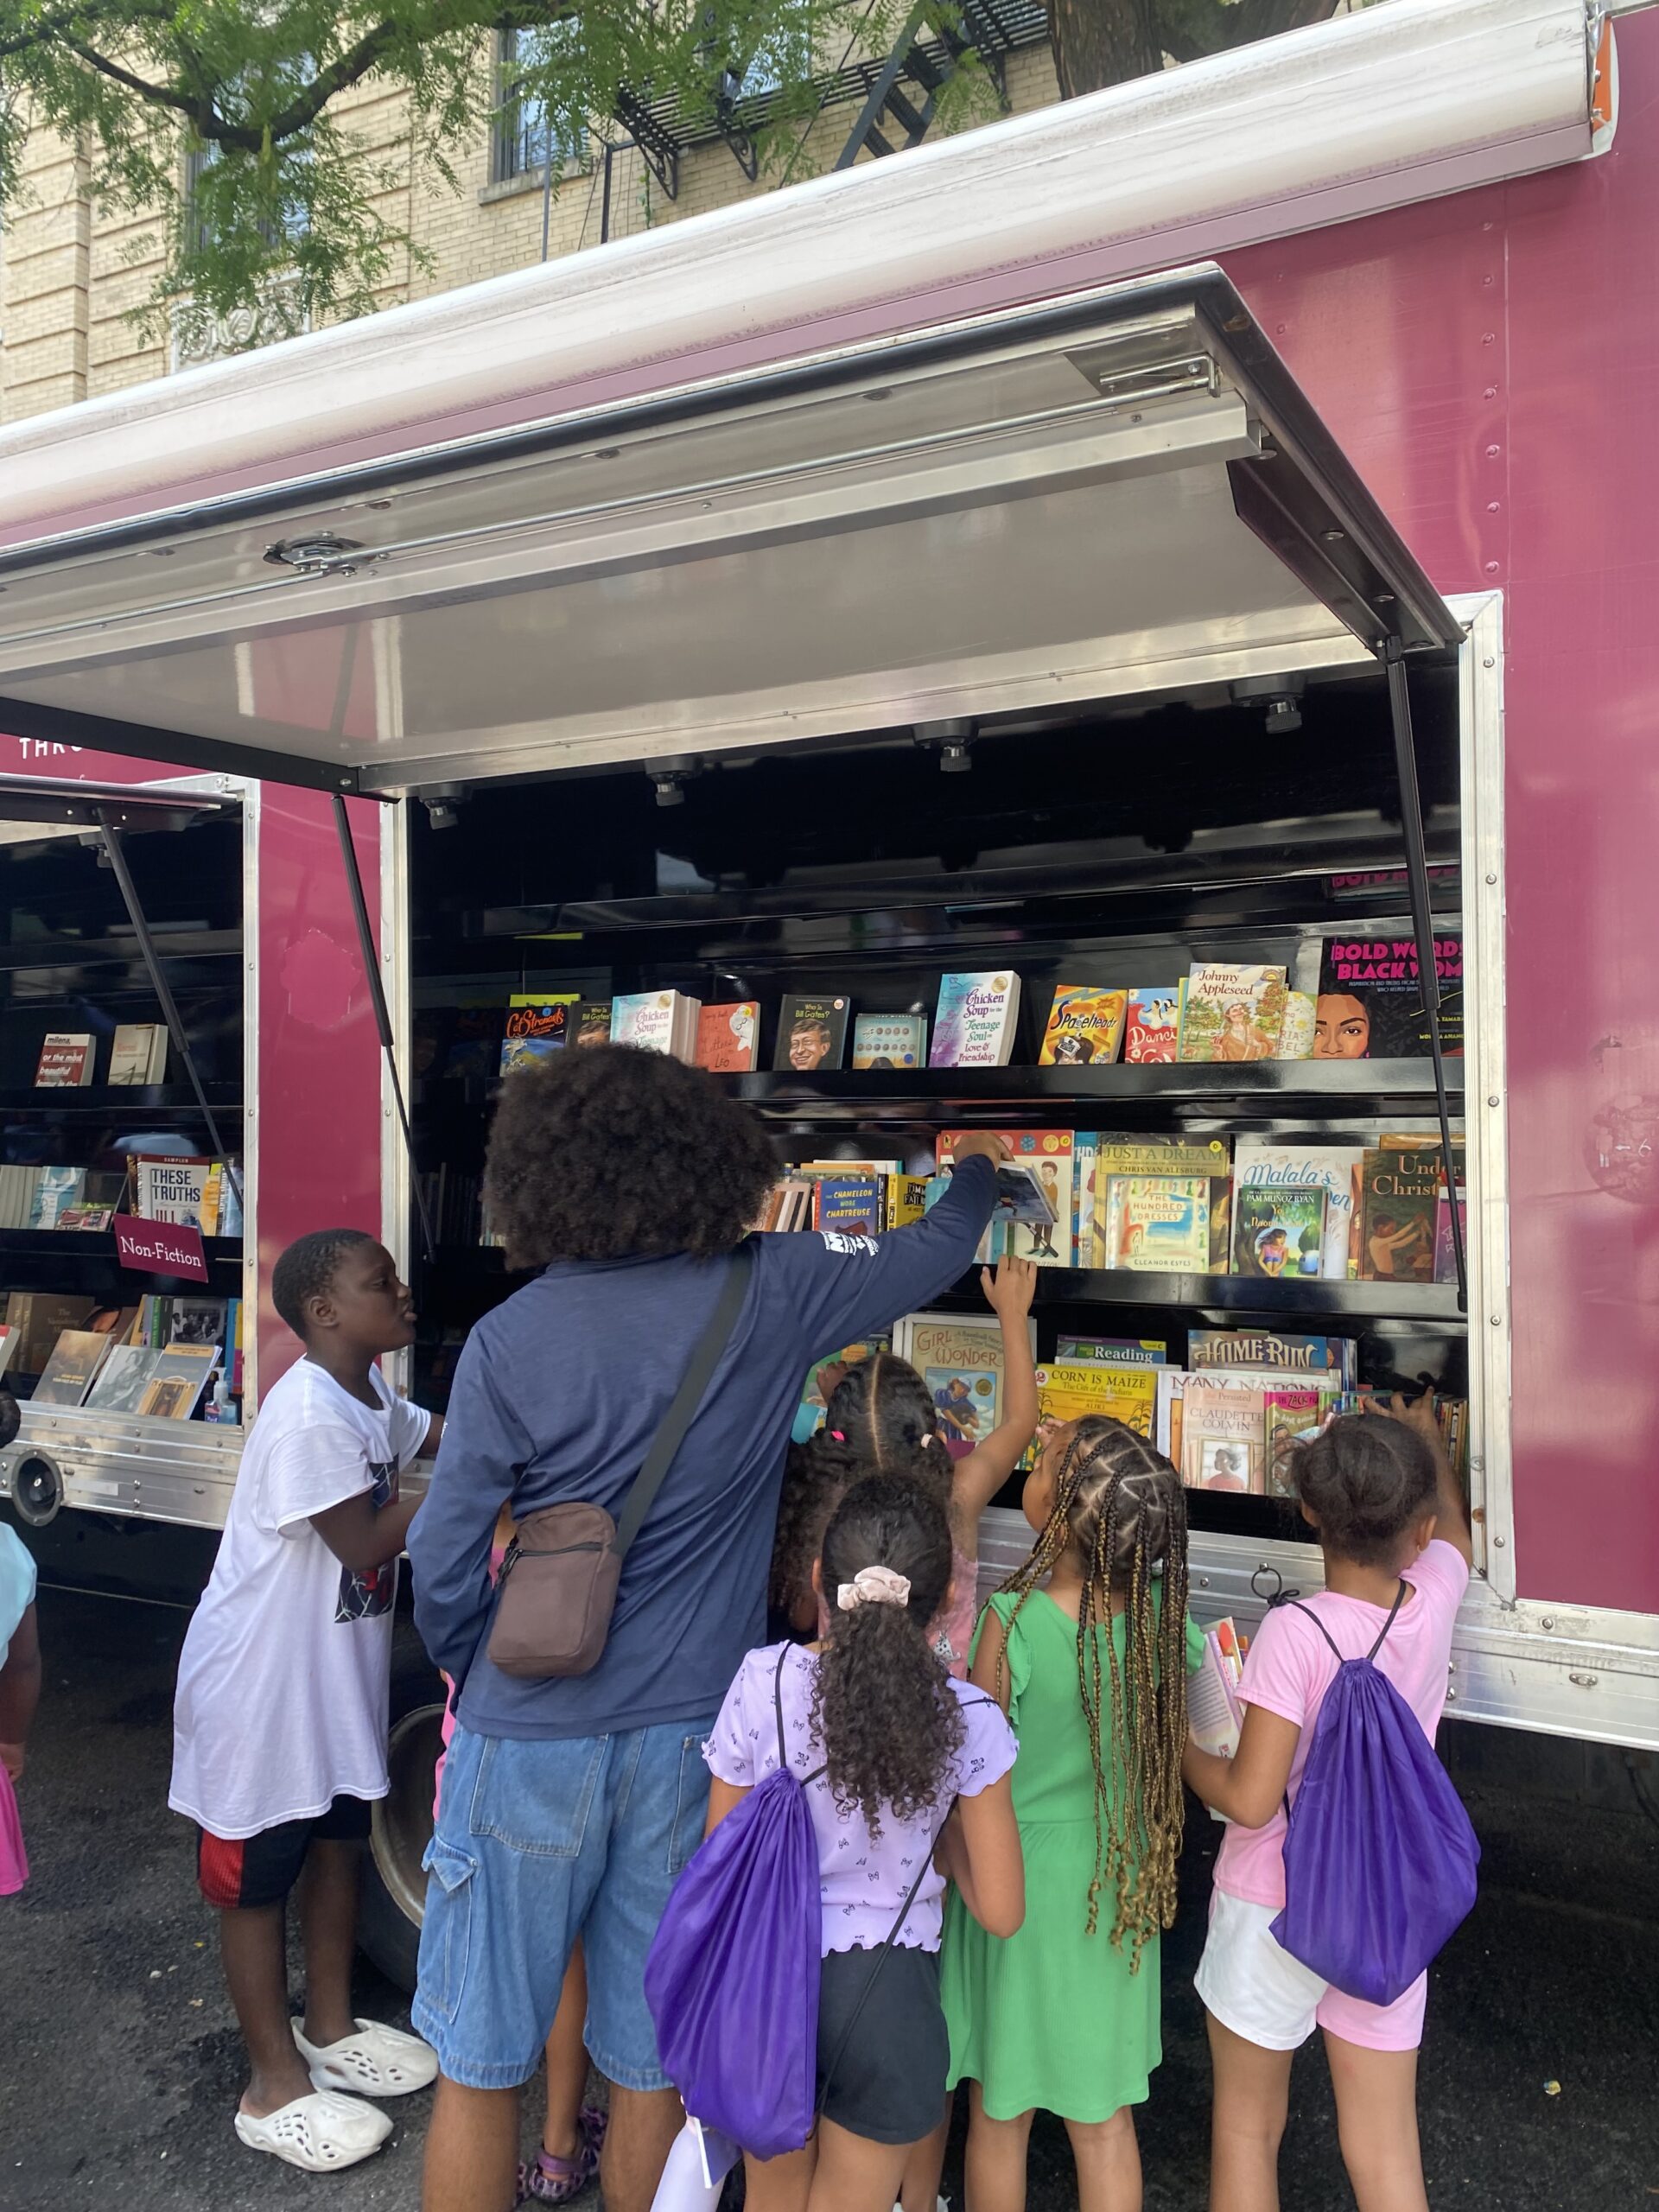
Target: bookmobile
point(1178, 527)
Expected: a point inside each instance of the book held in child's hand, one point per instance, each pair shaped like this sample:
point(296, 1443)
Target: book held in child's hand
point(977, 1018)
point(1232, 1013)
point(1085, 1027)
point(1213, 1711)
point(728, 1036)
point(66, 1061)
point(812, 1033)
point(1152, 1023)
point(889, 1040)
point(1033, 1219)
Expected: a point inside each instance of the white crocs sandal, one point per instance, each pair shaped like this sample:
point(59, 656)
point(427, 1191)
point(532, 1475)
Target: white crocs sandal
point(319, 2133)
point(377, 2062)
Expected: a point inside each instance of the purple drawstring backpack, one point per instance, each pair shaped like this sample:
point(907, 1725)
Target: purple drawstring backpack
point(733, 1973)
point(1380, 1856)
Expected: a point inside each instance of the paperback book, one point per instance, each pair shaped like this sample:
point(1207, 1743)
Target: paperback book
point(1158, 1224)
point(1069, 1390)
point(961, 1360)
point(68, 1374)
point(1085, 1027)
point(66, 1061)
point(1221, 1447)
point(1152, 1023)
point(977, 1018)
point(656, 1022)
point(1218, 1349)
point(592, 1024)
point(812, 1033)
point(1213, 1711)
point(177, 1381)
point(56, 1190)
point(188, 1190)
point(536, 1029)
point(1398, 1195)
point(1333, 1168)
point(1033, 1219)
point(1445, 1253)
point(1370, 1004)
point(1279, 1230)
point(139, 1053)
point(1287, 1416)
point(729, 1037)
point(851, 1205)
point(1209, 1158)
point(1114, 1351)
point(1232, 1013)
point(1296, 1033)
point(889, 1040)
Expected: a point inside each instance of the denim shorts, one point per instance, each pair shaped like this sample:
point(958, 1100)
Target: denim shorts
point(538, 1843)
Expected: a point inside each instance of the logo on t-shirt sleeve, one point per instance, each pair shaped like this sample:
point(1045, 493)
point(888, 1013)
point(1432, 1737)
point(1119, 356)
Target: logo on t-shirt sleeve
point(366, 1597)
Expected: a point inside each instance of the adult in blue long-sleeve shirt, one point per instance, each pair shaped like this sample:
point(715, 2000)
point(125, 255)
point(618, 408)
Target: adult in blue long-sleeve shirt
point(570, 1805)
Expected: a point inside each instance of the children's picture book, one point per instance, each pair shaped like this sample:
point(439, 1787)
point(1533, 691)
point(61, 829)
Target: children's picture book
point(957, 1356)
point(1287, 1414)
point(1370, 1003)
point(68, 1374)
point(537, 1028)
point(656, 1022)
point(1279, 1230)
point(1398, 1194)
point(812, 1033)
point(729, 1037)
point(1119, 1155)
point(1445, 1253)
point(592, 1023)
point(1033, 1212)
point(1152, 1023)
point(1232, 1013)
point(1085, 1027)
point(139, 1053)
point(56, 1190)
point(890, 1041)
point(186, 1189)
point(851, 1203)
point(906, 1199)
point(1069, 1390)
point(66, 1061)
point(1222, 1430)
point(1215, 1350)
point(1158, 1224)
point(1296, 1032)
point(1114, 1351)
point(1335, 1168)
point(976, 1020)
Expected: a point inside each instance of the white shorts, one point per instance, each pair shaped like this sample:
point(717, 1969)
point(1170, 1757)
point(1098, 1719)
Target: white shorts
point(1254, 1987)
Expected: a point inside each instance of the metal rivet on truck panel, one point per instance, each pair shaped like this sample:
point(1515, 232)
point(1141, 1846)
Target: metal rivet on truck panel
point(1492, 1101)
point(1499, 1542)
point(1497, 1320)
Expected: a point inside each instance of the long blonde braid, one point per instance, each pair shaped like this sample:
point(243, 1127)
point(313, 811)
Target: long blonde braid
point(1120, 1505)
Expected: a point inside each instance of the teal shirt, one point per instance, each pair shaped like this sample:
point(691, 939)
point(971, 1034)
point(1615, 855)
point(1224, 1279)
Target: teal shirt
point(17, 1586)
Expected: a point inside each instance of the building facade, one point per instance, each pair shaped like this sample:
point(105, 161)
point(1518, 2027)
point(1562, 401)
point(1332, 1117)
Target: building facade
point(73, 277)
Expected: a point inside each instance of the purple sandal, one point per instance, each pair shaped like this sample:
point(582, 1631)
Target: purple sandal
point(556, 2181)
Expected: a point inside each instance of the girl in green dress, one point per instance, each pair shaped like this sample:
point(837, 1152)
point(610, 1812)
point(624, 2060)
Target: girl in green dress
point(1087, 1648)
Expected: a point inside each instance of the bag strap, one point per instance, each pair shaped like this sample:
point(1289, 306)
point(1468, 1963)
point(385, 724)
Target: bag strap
point(783, 1746)
point(675, 1423)
point(881, 1959)
point(1393, 1614)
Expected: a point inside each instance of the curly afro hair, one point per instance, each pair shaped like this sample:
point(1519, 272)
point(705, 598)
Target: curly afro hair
point(612, 1153)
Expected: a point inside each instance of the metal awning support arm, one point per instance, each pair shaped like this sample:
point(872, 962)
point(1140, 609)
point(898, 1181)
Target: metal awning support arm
point(1411, 818)
point(159, 984)
point(381, 1014)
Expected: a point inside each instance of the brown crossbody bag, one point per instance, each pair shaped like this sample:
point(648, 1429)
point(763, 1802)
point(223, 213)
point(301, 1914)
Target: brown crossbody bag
point(557, 1586)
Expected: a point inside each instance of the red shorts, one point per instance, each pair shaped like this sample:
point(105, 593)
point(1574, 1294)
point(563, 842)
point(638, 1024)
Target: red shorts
point(261, 1870)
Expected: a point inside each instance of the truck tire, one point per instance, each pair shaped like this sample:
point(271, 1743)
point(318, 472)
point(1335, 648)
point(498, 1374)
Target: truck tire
point(394, 1887)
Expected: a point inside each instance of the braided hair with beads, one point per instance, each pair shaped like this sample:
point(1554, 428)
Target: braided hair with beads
point(1119, 1508)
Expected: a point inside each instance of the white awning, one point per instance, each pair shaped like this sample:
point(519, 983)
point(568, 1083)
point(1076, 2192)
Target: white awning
point(1119, 494)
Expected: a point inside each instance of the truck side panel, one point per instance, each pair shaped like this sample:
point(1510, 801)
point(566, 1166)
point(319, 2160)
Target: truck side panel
point(1491, 362)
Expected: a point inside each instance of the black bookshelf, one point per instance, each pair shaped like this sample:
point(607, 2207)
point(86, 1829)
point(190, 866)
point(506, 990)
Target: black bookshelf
point(108, 1102)
point(1289, 1087)
point(82, 1259)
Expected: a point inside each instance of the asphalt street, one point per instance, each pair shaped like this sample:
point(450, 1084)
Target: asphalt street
point(118, 2056)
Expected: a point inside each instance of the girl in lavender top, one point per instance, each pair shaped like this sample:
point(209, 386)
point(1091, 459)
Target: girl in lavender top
point(915, 1770)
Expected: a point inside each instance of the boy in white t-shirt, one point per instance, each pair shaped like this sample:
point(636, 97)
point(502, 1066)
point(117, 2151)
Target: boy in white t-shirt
point(280, 1720)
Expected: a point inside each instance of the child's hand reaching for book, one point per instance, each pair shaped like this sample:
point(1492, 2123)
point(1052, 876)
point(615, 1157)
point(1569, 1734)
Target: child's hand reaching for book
point(983, 1144)
point(1009, 1286)
point(1416, 1413)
